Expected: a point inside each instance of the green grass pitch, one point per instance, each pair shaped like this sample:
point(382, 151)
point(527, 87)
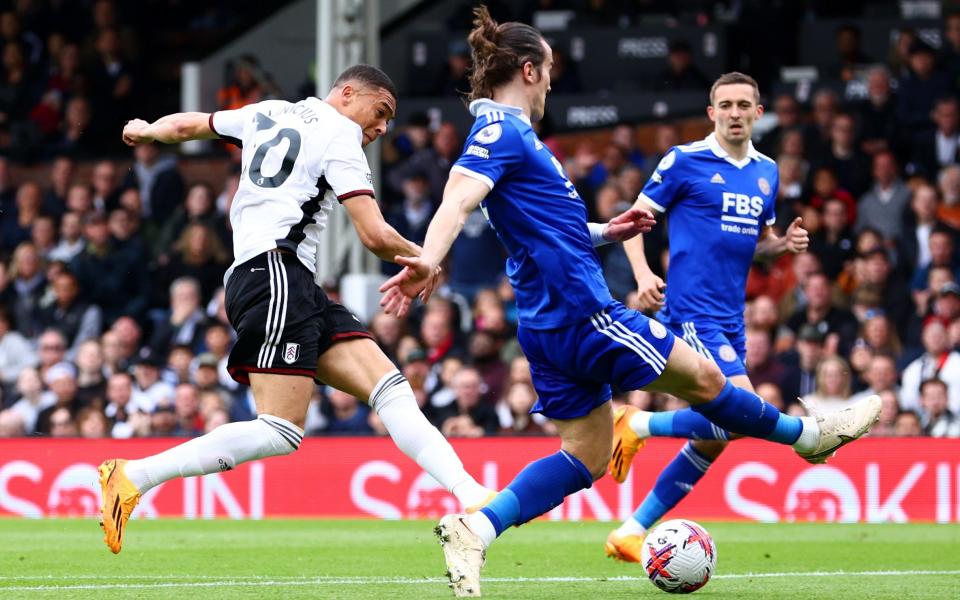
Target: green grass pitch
point(375, 559)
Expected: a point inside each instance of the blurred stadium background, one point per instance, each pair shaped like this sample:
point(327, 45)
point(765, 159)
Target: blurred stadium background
point(111, 260)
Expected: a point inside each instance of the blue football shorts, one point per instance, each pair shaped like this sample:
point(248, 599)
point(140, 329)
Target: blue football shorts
point(723, 343)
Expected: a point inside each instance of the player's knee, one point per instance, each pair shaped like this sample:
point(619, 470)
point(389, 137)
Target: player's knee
point(710, 380)
point(710, 448)
point(284, 436)
point(598, 467)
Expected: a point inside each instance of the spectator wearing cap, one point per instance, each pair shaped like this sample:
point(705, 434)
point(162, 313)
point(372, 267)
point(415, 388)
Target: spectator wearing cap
point(820, 312)
point(76, 319)
point(107, 276)
point(946, 305)
point(163, 419)
point(937, 420)
point(16, 352)
point(938, 361)
point(206, 374)
point(800, 379)
point(412, 216)
point(883, 207)
point(61, 379)
point(920, 87)
point(468, 415)
point(33, 399)
point(186, 321)
point(147, 381)
point(880, 376)
point(680, 72)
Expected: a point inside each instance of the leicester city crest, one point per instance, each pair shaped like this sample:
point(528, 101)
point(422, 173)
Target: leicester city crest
point(764, 186)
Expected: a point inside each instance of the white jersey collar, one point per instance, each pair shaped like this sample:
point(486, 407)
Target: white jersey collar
point(718, 150)
point(482, 106)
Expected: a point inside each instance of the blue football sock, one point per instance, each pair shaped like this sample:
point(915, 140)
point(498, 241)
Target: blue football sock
point(673, 484)
point(538, 488)
point(685, 424)
point(741, 411)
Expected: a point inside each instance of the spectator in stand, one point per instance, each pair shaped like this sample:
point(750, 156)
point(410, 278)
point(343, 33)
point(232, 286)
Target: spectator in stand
point(62, 170)
point(833, 242)
point(247, 84)
point(43, 235)
point(564, 75)
point(198, 254)
point(348, 416)
point(829, 321)
point(454, 77)
point(938, 361)
point(186, 403)
point(610, 165)
point(889, 409)
point(878, 114)
point(435, 161)
point(938, 420)
point(120, 404)
point(76, 319)
point(60, 424)
point(12, 425)
point(17, 89)
point(91, 383)
point(27, 286)
point(801, 376)
point(883, 207)
point(106, 186)
point(850, 55)
point(880, 376)
point(946, 304)
point(877, 332)
point(832, 385)
point(792, 188)
point(484, 349)
point(925, 236)
point(112, 85)
point(17, 223)
point(412, 216)
point(514, 410)
point(469, 415)
point(826, 186)
point(150, 389)
point(437, 333)
point(61, 379)
point(33, 399)
point(387, 331)
point(92, 424)
point(106, 274)
point(477, 256)
point(163, 419)
point(199, 207)
point(186, 322)
point(761, 364)
point(77, 136)
point(180, 365)
point(80, 199)
point(51, 349)
point(950, 50)
point(816, 136)
point(877, 275)
point(844, 156)
point(16, 352)
point(948, 183)
point(787, 111)
point(920, 87)
point(158, 179)
point(218, 342)
point(680, 72)
point(934, 150)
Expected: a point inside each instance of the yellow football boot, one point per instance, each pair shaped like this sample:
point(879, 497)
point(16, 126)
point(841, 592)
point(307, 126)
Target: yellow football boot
point(120, 497)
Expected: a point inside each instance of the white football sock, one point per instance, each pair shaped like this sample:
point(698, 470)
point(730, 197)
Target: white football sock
point(640, 424)
point(481, 525)
point(394, 402)
point(809, 435)
point(631, 527)
point(220, 450)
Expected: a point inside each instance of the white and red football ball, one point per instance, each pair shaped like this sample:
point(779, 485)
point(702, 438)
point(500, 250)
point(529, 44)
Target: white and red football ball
point(679, 556)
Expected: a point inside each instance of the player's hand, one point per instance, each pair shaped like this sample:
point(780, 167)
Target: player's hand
point(629, 224)
point(797, 237)
point(650, 290)
point(134, 132)
point(418, 278)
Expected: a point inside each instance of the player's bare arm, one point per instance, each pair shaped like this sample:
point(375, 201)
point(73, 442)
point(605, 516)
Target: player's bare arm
point(375, 233)
point(771, 246)
point(461, 196)
point(628, 224)
point(171, 129)
point(650, 287)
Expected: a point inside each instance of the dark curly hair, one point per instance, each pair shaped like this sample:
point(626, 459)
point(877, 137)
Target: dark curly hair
point(498, 50)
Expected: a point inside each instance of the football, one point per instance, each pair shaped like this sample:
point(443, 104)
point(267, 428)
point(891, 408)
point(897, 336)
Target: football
point(679, 556)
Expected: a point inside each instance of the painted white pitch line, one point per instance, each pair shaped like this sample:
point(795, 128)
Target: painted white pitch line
point(415, 581)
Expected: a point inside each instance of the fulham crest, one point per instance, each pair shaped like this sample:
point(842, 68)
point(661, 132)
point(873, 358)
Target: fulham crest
point(291, 352)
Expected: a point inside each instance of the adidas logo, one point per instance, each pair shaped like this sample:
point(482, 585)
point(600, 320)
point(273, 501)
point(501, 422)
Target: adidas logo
point(717, 178)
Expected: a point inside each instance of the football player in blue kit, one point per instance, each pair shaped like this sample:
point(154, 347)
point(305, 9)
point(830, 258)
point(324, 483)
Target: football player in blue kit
point(577, 339)
point(719, 193)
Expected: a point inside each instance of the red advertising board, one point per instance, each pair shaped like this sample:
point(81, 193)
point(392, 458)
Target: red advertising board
point(873, 480)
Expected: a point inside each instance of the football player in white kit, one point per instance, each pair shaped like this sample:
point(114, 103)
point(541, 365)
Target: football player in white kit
point(298, 160)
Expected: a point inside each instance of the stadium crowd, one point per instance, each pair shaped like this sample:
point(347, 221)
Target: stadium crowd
point(112, 321)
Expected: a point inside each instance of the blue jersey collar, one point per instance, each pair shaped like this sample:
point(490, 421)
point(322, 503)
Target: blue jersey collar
point(717, 149)
point(482, 106)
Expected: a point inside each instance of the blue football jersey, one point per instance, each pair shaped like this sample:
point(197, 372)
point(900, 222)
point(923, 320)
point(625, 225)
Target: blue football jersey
point(717, 208)
point(538, 216)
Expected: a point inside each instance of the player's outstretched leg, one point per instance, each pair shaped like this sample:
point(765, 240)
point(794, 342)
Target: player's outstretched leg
point(537, 489)
point(672, 486)
point(282, 403)
point(359, 367)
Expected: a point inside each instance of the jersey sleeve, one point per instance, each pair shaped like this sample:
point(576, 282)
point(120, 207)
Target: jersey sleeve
point(490, 153)
point(344, 166)
point(666, 183)
point(228, 124)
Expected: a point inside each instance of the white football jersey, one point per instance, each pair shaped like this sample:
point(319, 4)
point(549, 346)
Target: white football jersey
point(297, 159)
